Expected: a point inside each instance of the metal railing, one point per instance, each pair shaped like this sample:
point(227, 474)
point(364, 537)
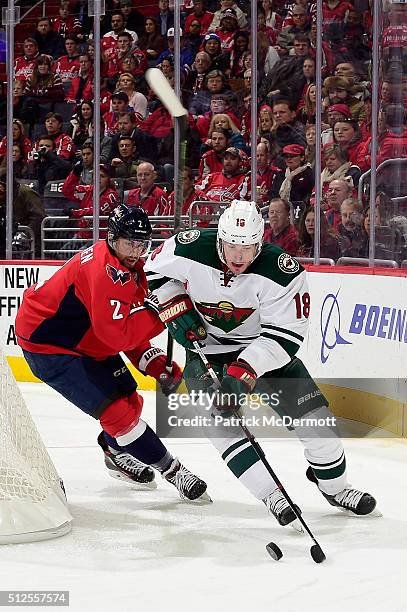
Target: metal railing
point(59, 238)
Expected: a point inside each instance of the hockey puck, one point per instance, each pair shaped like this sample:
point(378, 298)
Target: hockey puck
point(274, 551)
point(317, 553)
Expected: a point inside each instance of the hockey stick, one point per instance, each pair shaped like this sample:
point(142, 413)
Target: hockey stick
point(166, 94)
point(316, 551)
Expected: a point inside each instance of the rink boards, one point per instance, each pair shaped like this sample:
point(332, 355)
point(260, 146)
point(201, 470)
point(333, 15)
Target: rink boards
point(356, 346)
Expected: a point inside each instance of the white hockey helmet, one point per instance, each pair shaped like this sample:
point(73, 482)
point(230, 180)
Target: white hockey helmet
point(241, 223)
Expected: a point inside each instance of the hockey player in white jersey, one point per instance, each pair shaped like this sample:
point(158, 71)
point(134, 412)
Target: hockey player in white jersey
point(247, 303)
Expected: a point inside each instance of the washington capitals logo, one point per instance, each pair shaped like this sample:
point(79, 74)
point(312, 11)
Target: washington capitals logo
point(118, 275)
point(224, 315)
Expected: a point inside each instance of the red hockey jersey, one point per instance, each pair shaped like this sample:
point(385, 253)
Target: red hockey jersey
point(155, 203)
point(91, 306)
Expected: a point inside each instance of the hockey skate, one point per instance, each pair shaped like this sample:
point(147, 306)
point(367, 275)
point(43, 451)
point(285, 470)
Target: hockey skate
point(349, 500)
point(279, 507)
point(125, 467)
point(189, 486)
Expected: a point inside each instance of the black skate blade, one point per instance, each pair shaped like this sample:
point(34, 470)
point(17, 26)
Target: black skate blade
point(140, 486)
point(203, 500)
point(374, 514)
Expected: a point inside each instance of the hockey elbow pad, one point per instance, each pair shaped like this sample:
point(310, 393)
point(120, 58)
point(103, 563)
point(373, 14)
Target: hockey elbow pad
point(182, 320)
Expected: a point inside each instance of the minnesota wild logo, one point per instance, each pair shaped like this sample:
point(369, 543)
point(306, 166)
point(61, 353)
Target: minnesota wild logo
point(224, 315)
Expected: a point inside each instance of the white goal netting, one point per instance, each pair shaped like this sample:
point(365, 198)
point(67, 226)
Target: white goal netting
point(32, 502)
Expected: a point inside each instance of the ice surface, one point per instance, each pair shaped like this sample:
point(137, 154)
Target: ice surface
point(133, 550)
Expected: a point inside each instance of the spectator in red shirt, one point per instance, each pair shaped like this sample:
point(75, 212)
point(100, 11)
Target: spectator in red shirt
point(269, 176)
point(212, 160)
point(188, 192)
point(83, 195)
point(394, 141)
point(120, 105)
point(67, 66)
point(281, 232)
point(19, 138)
point(229, 184)
point(66, 24)
point(347, 135)
point(24, 66)
point(201, 14)
point(148, 196)
point(64, 146)
point(82, 85)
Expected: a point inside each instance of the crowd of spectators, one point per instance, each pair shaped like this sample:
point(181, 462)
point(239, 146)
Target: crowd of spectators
point(54, 102)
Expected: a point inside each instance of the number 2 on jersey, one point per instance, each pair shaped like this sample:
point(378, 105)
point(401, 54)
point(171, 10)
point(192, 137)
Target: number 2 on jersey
point(302, 304)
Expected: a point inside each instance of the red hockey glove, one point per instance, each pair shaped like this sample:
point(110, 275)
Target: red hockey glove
point(182, 320)
point(153, 363)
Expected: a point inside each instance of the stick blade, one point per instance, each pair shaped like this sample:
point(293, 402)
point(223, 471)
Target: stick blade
point(165, 93)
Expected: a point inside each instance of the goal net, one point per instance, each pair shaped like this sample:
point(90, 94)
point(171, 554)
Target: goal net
point(32, 502)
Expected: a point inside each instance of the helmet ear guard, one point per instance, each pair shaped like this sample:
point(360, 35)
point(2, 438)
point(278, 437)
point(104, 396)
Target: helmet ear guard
point(240, 224)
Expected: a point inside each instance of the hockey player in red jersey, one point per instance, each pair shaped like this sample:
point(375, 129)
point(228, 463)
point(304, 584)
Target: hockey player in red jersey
point(71, 329)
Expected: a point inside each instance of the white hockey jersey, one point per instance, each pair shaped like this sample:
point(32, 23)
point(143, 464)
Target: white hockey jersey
point(262, 312)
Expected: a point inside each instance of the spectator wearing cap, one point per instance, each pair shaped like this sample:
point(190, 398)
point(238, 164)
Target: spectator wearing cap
point(24, 65)
point(337, 90)
point(119, 104)
point(201, 14)
point(299, 178)
point(224, 6)
point(337, 166)
point(287, 129)
point(186, 53)
point(227, 29)
point(212, 44)
point(151, 41)
point(281, 232)
point(347, 134)
point(229, 184)
point(165, 17)
point(336, 112)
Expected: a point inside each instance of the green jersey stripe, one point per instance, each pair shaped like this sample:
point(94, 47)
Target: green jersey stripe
point(290, 347)
point(283, 330)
